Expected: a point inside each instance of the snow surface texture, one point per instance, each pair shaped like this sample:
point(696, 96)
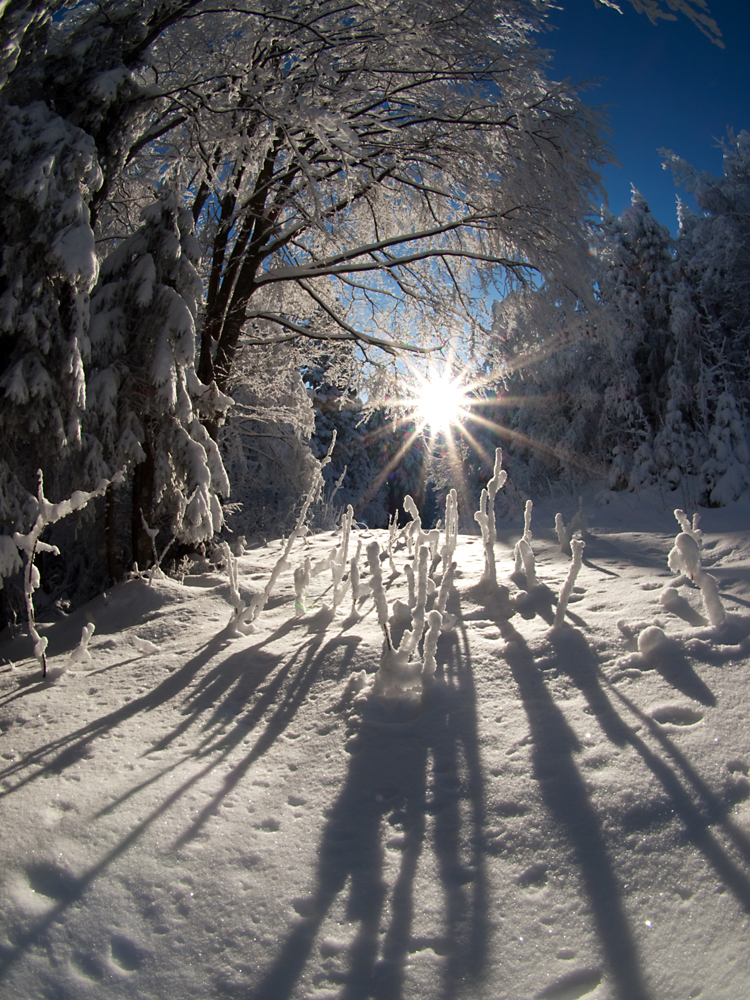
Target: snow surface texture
point(196, 814)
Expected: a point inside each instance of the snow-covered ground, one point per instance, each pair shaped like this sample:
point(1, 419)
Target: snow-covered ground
point(564, 816)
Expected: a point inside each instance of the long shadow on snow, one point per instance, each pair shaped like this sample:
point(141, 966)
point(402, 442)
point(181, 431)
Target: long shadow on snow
point(578, 660)
point(387, 781)
point(565, 795)
point(73, 747)
point(76, 887)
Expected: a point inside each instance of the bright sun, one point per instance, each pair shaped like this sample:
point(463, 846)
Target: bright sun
point(440, 401)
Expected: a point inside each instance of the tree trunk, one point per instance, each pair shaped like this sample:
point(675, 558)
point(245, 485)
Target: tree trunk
point(143, 492)
point(111, 533)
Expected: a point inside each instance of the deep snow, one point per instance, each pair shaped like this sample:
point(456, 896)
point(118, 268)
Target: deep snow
point(566, 816)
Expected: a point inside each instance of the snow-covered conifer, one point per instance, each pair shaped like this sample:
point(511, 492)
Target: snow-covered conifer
point(145, 398)
point(48, 171)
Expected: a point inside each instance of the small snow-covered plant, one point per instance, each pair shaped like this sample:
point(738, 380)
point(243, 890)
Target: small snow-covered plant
point(230, 562)
point(401, 673)
point(30, 543)
point(485, 517)
point(685, 559)
point(564, 534)
point(81, 653)
point(577, 546)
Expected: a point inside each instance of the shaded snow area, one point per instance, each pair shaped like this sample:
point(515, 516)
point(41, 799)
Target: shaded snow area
point(563, 813)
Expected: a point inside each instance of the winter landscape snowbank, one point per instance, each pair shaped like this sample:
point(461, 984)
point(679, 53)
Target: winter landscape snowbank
point(560, 811)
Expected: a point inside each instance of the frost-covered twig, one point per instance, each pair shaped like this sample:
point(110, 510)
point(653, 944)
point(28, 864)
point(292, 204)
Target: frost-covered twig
point(155, 570)
point(485, 517)
point(685, 558)
point(577, 545)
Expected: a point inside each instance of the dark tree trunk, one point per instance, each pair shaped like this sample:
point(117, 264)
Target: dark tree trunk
point(111, 533)
point(143, 492)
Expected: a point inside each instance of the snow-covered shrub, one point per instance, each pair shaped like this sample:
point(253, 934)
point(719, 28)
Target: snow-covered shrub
point(685, 559)
point(402, 673)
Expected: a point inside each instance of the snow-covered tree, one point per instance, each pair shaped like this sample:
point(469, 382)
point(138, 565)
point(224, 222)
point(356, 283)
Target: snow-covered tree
point(145, 399)
point(48, 173)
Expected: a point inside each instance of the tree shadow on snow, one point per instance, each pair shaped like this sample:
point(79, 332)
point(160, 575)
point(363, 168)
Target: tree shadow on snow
point(696, 813)
point(389, 791)
point(285, 694)
point(564, 793)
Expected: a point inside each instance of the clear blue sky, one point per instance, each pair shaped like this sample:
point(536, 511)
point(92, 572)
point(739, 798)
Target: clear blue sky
point(667, 84)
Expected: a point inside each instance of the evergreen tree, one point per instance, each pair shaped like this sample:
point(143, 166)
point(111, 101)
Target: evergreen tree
point(145, 398)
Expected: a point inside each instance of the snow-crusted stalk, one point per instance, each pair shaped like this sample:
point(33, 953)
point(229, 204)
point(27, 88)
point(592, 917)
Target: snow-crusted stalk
point(448, 620)
point(529, 563)
point(359, 590)
point(451, 529)
point(339, 562)
point(414, 528)
point(410, 639)
point(392, 535)
point(301, 583)
point(429, 664)
point(378, 590)
point(485, 517)
point(577, 546)
point(563, 536)
point(526, 536)
point(685, 558)
point(30, 544)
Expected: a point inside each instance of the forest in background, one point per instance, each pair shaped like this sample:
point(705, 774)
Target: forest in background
point(227, 227)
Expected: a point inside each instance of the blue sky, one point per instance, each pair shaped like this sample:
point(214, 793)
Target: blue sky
point(669, 86)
